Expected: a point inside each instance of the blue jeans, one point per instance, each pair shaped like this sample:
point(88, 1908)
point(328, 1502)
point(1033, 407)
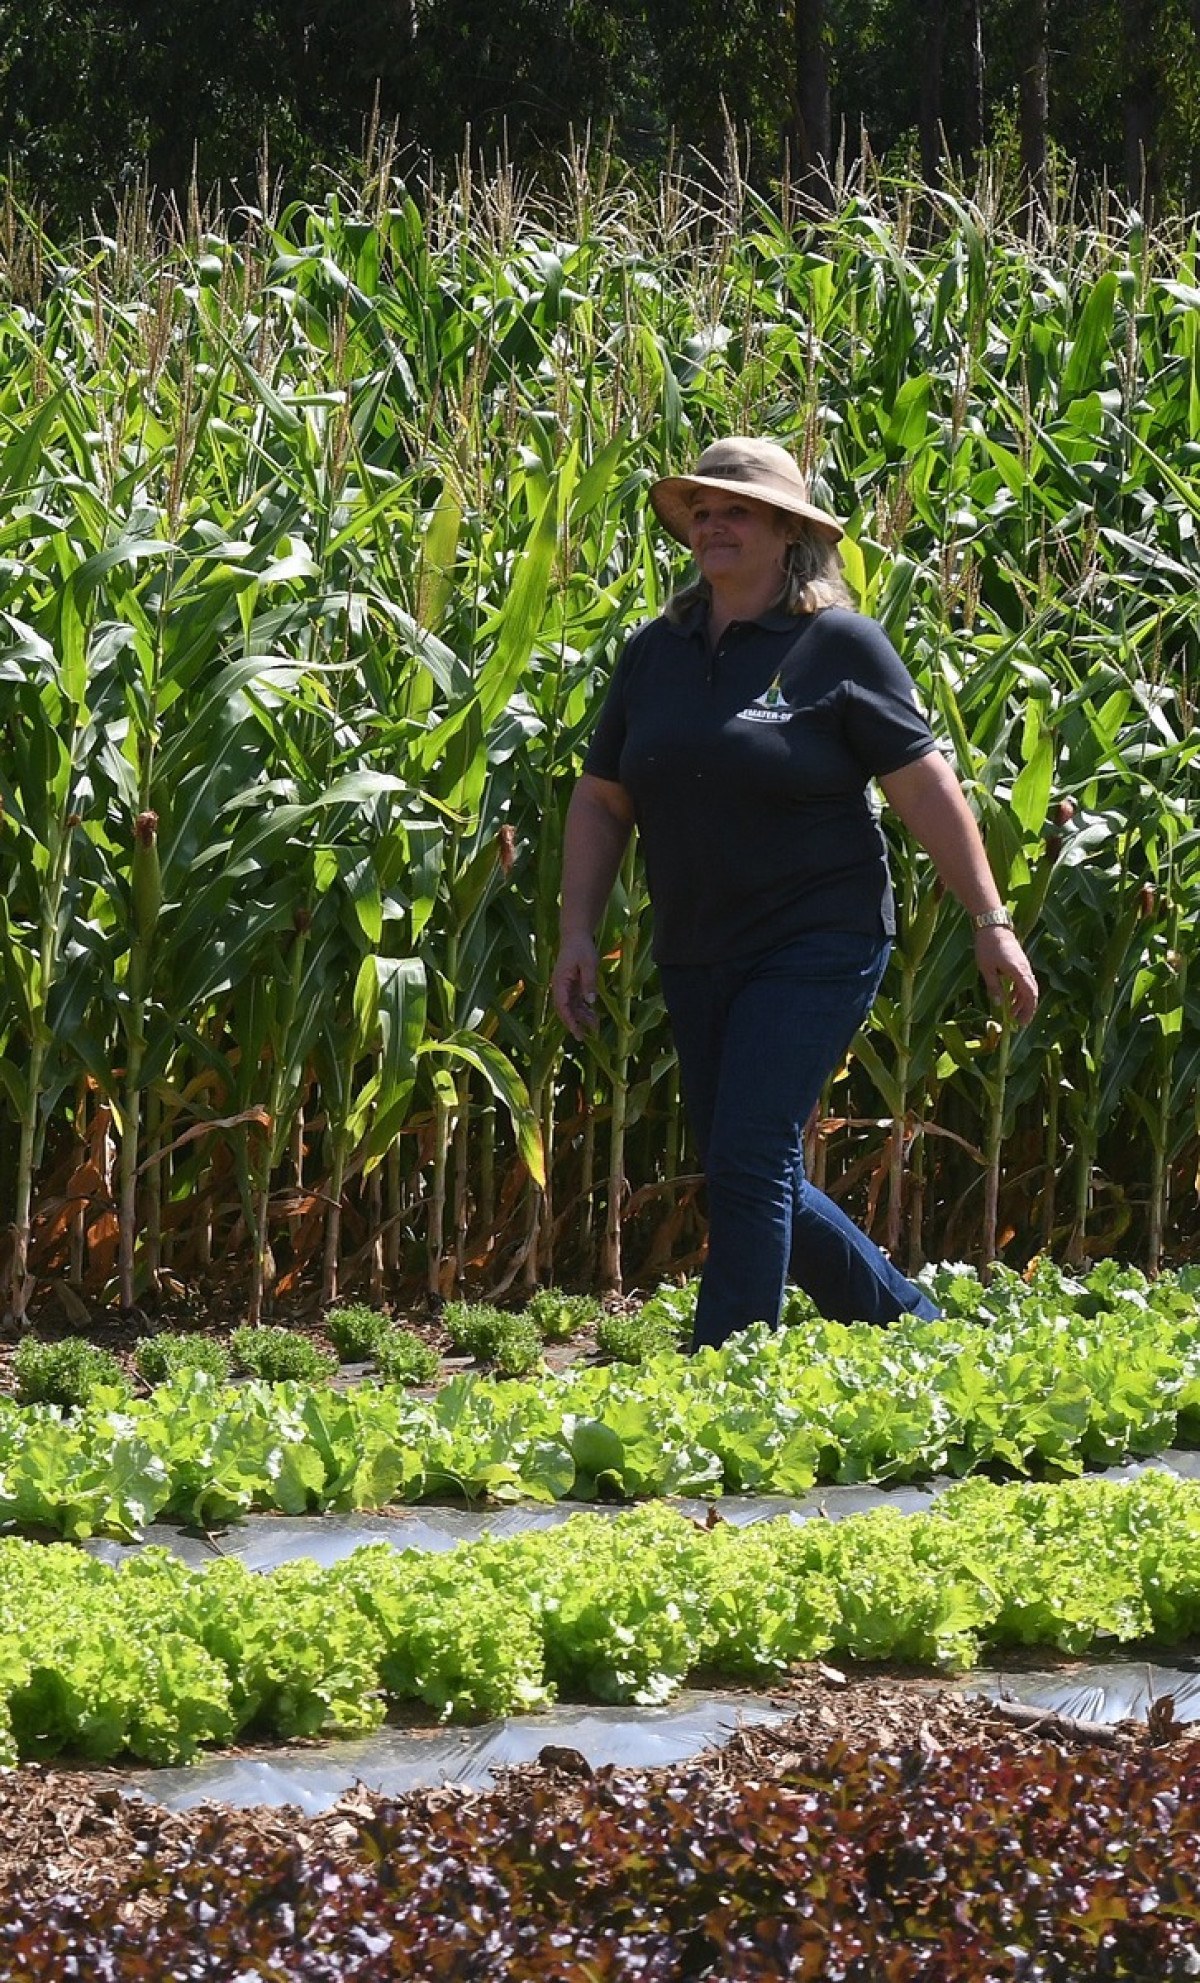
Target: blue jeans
point(756, 1042)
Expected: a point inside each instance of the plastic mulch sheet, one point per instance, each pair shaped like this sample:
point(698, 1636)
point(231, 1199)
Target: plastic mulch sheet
point(1104, 1691)
point(400, 1759)
point(264, 1541)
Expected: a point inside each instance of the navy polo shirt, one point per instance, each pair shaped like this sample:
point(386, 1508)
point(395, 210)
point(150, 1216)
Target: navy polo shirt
point(749, 769)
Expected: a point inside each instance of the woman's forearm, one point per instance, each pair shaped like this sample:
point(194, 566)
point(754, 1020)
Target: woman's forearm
point(594, 840)
point(599, 822)
point(930, 801)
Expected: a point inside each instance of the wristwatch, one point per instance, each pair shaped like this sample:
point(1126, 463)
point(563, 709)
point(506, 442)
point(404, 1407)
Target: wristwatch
point(992, 919)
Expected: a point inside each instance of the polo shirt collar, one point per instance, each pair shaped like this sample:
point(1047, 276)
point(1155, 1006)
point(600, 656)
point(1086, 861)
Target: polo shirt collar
point(774, 620)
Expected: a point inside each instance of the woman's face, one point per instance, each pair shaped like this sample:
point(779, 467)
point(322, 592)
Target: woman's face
point(736, 539)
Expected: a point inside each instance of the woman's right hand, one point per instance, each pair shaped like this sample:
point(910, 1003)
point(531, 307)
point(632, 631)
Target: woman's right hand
point(575, 975)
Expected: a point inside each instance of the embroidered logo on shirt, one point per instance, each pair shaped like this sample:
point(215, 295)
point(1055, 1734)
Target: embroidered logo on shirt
point(772, 706)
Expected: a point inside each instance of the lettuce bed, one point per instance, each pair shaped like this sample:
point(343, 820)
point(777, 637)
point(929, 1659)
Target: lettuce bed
point(155, 1660)
point(1051, 1377)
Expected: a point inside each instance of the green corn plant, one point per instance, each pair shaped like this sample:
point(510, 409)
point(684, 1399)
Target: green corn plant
point(486, 729)
point(633, 1015)
point(384, 1032)
point(363, 487)
point(55, 727)
point(1014, 835)
point(584, 620)
point(1158, 1006)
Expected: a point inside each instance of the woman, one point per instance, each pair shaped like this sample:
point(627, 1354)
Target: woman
point(741, 734)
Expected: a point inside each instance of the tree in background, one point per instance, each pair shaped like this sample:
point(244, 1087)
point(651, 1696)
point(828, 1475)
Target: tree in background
point(1141, 95)
point(1157, 63)
point(1113, 85)
point(812, 122)
point(1033, 97)
point(931, 115)
point(975, 103)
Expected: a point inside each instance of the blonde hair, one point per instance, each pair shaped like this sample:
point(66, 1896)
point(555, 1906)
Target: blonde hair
point(813, 578)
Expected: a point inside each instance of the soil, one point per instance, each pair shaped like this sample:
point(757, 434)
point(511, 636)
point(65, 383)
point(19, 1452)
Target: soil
point(65, 1830)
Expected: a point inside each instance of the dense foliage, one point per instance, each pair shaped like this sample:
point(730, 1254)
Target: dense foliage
point(157, 1659)
point(633, 1339)
point(403, 1357)
point(512, 1343)
point(355, 1330)
point(94, 95)
point(168, 1354)
point(317, 540)
point(988, 1864)
point(559, 1316)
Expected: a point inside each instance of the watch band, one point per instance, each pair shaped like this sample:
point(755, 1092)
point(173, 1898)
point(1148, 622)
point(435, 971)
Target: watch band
point(992, 919)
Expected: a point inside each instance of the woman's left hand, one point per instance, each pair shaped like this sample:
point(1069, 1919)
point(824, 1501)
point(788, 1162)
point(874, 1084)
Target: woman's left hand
point(1004, 967)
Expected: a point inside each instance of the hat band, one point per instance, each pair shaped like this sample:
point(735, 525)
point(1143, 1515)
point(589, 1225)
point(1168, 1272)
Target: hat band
point(770, 488)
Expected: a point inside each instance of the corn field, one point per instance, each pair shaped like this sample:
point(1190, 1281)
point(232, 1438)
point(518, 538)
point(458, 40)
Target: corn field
point(320, 529)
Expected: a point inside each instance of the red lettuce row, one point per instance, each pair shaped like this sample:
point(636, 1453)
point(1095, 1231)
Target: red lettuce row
point(978, 1865)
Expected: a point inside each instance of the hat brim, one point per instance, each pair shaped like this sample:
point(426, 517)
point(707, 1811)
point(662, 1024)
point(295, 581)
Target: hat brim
point(671, 498)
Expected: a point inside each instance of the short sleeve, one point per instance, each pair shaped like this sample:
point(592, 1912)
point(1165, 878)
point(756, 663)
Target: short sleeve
point(885, 725)
point(602, 759)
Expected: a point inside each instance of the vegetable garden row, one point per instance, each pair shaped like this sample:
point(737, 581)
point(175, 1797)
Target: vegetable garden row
point(977, 1863)
point(917, 1862)
point(319, 533)
point(155, 1659)
point(1018, 1379)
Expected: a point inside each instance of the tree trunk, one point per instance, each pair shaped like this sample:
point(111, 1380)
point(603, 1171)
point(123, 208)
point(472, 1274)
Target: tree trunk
point(930, 112)
point(812, 123)
point(973, 27)
point(1140, 99)
point(1035, 108)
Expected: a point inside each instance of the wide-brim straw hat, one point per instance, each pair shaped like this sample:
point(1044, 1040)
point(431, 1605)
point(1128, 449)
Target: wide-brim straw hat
point(741, 466)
